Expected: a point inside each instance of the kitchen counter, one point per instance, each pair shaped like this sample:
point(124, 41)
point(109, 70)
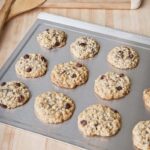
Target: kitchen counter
point(136, 21)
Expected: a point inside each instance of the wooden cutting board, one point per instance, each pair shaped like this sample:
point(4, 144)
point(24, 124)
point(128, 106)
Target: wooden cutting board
point(101, 4)
point(19, 7)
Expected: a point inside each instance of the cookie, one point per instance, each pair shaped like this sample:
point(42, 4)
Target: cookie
point(69, 74)
point(146, 97)
point(53, 107)
point(99, 120)
point(52, 38)
point(141, 135)
point(84, 47)
point(112, 85)
point(31, 65)
point(13, 94)
point(123, 57)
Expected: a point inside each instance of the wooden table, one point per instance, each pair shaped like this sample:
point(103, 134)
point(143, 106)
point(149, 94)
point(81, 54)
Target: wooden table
point(136, 21)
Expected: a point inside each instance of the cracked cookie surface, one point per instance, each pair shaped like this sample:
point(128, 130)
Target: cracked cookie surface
point(99, 120)
point(52, 38)
point(84, 47)
point(13, 94)
point(53, 107)
point(141, 135)
point(69, 74)
point(31, 65)
point(112, 85)
point(123, 57)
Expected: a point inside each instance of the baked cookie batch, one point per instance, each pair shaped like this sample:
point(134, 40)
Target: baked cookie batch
point(54, 107)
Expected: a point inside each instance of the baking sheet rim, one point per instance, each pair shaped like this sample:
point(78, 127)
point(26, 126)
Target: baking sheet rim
point(95, 28)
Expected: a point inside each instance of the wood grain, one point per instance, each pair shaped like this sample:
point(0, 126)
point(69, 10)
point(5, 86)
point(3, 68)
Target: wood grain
point(20, 6)
point(4, 12)
point(97, 4)
point(136, 21)
point(104, 4)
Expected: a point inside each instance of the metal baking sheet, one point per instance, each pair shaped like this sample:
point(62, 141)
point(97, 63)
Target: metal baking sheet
point(131, 107)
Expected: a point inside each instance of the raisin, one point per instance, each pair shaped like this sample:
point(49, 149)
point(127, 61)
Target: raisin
point(121, 75)
point(73, 76)
point(18, 84)
point(43, 59)
point(67, 106)
point(83, 44)
point(83, 122)
point(26, 56)
point(102, 77)
point(119, 88)
point(3, 83)
point(79, 65)
point(3, 106)
point(115, 111)
point(20, 98)
point(29, 69)
point(131, 56)
point(121, 54)
point(57, 44)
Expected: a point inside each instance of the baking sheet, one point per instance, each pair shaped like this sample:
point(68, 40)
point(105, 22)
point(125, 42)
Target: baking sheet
point(131, 107)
